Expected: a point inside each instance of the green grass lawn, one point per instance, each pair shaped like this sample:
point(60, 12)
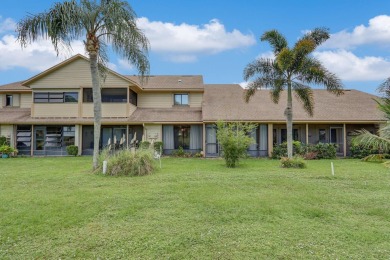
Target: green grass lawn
point(53, 208)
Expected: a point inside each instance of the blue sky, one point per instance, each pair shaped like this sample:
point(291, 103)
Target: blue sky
point(218, 38)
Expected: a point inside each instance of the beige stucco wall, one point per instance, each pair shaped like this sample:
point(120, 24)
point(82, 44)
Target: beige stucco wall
point(155, 100)
point(16, 100)
point(153, 132)
point(74, 75)
point(108, 110)
point(55, 110)
point(165, 100)
point(26, 100)
point(196, 99)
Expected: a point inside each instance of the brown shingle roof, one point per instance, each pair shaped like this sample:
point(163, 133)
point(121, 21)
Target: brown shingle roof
point(225, 102)
point(190, 82)
point(16, 86)
point(185, 114)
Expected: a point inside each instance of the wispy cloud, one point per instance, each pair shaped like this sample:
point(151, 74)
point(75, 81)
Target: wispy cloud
point(7, 25)
point(185, 42)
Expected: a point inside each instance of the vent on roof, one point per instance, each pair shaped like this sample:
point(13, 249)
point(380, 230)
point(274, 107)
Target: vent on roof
point(179, 81)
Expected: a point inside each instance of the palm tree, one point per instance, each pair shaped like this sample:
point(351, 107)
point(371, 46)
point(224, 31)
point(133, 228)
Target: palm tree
point(292, 69)
point(380, 141)
point(102, 23)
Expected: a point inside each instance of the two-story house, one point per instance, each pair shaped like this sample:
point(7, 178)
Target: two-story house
point(54, 109)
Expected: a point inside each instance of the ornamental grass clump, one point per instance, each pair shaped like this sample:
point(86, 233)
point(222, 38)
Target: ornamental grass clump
point(128, 163)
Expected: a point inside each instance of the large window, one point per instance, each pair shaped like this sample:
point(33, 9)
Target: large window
point(109, 95)
point(181, 99)
point(56, 97)
point(182, 136)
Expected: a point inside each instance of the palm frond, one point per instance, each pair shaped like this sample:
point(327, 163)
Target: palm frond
point(261, 83)
point(384, 88)
point(259, 67)
point(60, 24)
point(277, 41)
point(317, 35)
point(312, 71)
point(367, 139)
point(305, 95)
point(276, 90)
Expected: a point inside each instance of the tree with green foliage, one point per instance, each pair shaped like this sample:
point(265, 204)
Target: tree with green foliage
point(234, 140)
point(293, 69)
point(381, 140)
point(103, 23)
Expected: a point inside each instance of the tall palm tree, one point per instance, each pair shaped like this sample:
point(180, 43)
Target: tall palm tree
point(102, 23)
point(292, 69)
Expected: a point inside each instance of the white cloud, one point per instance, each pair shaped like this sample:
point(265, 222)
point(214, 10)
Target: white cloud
point(124, 64)
point(377, 32)
point(350, 67)
point(7, 25)
point(38, 56)
point(184, 42)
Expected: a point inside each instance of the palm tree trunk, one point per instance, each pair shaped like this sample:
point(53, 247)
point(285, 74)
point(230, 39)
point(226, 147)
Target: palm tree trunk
point(288, 113)
point(97, 107)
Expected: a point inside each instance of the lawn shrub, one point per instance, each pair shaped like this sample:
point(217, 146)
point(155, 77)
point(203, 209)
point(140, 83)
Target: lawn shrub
point(127, 163)
point(3, 140)
point(324, 150)
point(181, 153)
point(280, 150)
point(295, 162)
point(158, 146)
point(308, 152)
point(359, 151)
point(144, 145)
point(234, 140)
point(72, 150)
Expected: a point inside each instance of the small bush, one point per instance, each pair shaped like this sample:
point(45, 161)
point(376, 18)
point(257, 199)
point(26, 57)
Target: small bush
point(295, 162)
point(3, 140)
point(158, 146)
point(72, 150)
point(198, 155)
point(127, 163)
point(374, 158)
point(362, 151)
point(6, 149)
point(144, 145)
point(325, 150)
point(280, 150)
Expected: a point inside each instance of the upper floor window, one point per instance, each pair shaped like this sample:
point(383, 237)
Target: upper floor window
point(181, 99)
point(109, 95)
point(9, 100)
point(56, 97)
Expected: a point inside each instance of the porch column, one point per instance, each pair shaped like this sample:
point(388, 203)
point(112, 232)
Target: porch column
point(307, 133)
point(345, 140)
point(270, 139)
point(32, 141)
point(127, 136)
point(204, 139)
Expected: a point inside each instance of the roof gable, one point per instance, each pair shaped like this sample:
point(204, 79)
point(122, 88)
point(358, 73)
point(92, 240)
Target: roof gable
point(73, 73)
